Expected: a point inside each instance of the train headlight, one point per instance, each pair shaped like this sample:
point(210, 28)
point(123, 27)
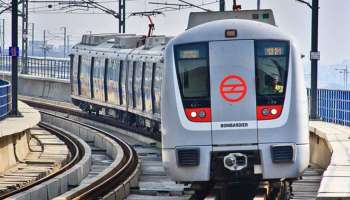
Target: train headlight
point(274, 111)
point(202, 114)
point(193, 114)
point(265, 111)
point(198, 114)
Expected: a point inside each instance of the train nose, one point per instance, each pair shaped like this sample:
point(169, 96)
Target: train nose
point(235, 161)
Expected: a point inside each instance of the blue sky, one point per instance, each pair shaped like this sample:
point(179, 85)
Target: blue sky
point(291, 16)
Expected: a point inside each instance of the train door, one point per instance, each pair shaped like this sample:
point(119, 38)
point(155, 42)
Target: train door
point(233, 96)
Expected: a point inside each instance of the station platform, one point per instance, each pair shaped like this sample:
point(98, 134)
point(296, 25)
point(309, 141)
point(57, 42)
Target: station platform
point(15, 136)
point(335, 182)
point(12, 125)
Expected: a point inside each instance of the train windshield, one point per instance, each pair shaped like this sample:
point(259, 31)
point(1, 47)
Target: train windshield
point(271, 71)
point(192, 65)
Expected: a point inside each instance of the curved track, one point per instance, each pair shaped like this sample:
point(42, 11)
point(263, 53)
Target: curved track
point(75, 149)
point(109, 181)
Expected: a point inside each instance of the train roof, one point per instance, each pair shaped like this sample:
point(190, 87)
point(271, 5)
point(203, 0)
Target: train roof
point(121, 42)
point(245, 29)
point(263, 15)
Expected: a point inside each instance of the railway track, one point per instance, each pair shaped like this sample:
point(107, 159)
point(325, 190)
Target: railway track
point(105, 174)
point(153, 182)
point(31, 170)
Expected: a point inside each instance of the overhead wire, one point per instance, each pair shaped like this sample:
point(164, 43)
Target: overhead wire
point(78, 8)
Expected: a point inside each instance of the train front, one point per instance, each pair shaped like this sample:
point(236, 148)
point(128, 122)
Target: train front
point(234, 104)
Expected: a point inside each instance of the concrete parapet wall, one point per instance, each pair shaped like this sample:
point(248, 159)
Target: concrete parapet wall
point(13, 148)
point(320, 150)
point(57, 188)
point(14, 136)
point(330, 149)
point(47, 88)
point(70, 178)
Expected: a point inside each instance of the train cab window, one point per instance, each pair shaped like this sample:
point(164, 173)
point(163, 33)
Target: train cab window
point(272, 58)
point(192, 65)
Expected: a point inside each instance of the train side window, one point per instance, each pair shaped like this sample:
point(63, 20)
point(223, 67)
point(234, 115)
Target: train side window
point(96, 68)
point(85, 76)
point(153, 87)
point(192, 60)
point(133, 84)
point(272, 58)
point(142, 85)
point(92, 64)
point(72, 62)
point(105, 77)
point(76, 73)
point(121, 71)
point(156, 86)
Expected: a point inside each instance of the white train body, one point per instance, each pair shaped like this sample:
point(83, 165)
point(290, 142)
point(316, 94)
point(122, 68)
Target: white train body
point(229, 95)
point(234, 104)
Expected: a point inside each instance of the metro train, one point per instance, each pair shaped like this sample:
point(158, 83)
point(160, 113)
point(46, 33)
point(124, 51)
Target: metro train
point(120, 75)
point(227, 95)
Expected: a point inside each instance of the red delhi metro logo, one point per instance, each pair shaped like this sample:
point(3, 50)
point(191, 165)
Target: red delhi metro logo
point(233, 88)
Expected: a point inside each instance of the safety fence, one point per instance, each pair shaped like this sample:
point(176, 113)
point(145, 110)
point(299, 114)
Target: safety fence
point(5, 99)
point(333, 106)
point(39, 66)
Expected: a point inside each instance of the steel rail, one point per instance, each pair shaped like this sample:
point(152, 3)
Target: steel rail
point(76, 153)
point(113, 178)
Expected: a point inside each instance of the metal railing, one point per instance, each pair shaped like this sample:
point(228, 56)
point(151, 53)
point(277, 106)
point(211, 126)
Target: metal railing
point(333, 106)
point(5, 99)
point(38, 66)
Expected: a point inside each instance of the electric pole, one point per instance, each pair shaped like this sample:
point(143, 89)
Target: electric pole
point(2, 32)
point(3, 36)
point(258, 5)
point(68, 47)
point(32, 39)
point(64, 41)
point(345, 72)
point(24, 15)
point(44, 44)
point(314, 56)
point(222, 5)
point(14, 79)
point(121, 16)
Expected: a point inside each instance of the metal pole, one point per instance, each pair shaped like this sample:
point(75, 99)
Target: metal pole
point(3, 35)
point(258, 4)
point(32, 39)
point(64, 40)
point(44, 47)
point(346, 77)
point(68, 48)
point(121, 16)
point(24, 59)
point(222, 5)
point(314, 48)
point(14, 17)
point(124, 23)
